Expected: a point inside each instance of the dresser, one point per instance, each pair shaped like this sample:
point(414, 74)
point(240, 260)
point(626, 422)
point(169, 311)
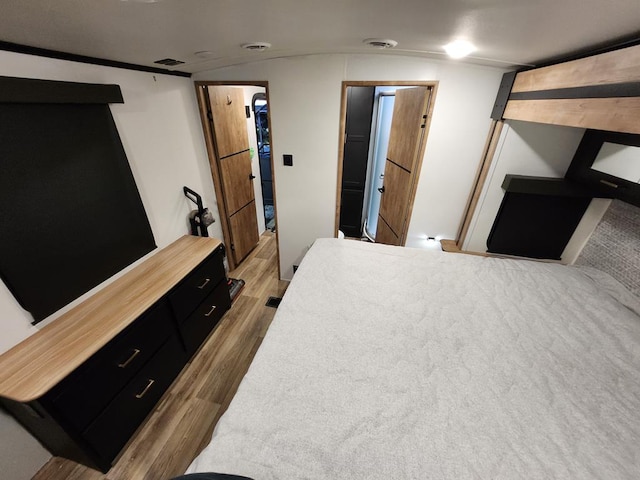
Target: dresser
point(84, 383)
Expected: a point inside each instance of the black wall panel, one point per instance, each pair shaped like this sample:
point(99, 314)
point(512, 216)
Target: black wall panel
point(70, 210)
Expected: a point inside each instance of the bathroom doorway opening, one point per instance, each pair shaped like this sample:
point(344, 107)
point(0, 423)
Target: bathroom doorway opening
point(260, 107)
point(239, 196)
point(381, 133)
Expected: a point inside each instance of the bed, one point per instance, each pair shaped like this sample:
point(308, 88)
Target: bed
point(386, 362)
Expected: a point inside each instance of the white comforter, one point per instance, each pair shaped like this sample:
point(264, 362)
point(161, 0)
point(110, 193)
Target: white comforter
point(391, 363)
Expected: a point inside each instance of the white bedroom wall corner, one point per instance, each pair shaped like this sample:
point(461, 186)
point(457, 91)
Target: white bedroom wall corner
point(473, 242)
point(530, 149)
point(305, 108)
point(159, 127)
point(465, 95)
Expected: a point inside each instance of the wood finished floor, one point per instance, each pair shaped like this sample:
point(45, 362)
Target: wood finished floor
point(182, 423)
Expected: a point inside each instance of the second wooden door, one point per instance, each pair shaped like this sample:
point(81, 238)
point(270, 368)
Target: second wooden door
point(234, 165)
point(402, 165)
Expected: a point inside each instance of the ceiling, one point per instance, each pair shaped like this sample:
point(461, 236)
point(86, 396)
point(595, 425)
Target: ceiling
point(507, 33)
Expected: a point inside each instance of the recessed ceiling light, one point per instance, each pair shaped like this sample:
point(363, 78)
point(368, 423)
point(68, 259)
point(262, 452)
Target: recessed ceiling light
point(256, 46)
point(380, 42)
point(459, 48)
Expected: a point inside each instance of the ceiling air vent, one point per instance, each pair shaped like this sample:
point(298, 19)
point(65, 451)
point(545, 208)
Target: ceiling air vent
point(380, 42)
point(256, 46)
point(169, 62)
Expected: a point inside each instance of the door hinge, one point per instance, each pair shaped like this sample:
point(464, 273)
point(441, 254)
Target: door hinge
point(423, 126)
point(210, 115)
point(233, 247)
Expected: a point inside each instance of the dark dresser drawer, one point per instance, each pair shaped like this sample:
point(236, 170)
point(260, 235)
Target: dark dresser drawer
point(195, 288)
point(115, 425)
point(81, 396)
point(198, 326)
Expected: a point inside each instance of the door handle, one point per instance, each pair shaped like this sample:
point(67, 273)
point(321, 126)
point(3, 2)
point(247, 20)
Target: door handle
point(251, 176)
point(381, 189)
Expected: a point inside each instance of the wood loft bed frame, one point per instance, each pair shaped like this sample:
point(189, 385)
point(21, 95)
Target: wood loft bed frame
point(599, 92)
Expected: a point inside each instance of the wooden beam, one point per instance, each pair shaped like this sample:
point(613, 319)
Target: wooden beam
point(618, 66)
point(613, 114)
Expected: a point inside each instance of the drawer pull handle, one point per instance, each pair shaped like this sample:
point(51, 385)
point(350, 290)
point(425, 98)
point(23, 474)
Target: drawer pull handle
point(128, 360)
point(146, 389)
point(213, 307)
point(609, 184)
point(204, 284)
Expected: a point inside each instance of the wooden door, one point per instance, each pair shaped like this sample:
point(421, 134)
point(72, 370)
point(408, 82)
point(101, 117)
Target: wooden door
point(235, 171)
point(406, 141)
point(229, 126)
point(384, 234)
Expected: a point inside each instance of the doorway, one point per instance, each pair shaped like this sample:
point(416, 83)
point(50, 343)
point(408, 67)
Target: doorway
point(231, 135)
point(384, 100)
point(260, 107)
point(382, 145)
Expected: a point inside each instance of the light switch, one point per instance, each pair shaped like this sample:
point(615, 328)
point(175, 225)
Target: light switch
point(288, 160)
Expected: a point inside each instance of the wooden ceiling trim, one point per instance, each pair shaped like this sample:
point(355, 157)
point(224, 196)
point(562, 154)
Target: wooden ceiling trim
point(618, 66)
point(598, 92)
point(612, 114)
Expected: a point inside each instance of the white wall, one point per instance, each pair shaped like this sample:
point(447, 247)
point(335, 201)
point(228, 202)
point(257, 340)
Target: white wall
point(524, 149)
point(161, 133)
point(305, 112)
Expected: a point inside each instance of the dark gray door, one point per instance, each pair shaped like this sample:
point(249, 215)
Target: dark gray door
point(356, 155)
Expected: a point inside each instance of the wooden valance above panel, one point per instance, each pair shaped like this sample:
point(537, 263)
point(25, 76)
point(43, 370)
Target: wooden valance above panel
point(600, 92)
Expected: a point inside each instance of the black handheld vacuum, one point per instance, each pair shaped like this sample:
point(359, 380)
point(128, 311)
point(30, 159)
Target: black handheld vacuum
point(201, 218)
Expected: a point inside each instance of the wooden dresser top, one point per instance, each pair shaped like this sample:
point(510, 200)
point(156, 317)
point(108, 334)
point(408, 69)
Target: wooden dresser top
point(34, 366)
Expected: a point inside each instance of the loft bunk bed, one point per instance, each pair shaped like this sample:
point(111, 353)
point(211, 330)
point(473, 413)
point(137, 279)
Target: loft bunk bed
point(600, 93)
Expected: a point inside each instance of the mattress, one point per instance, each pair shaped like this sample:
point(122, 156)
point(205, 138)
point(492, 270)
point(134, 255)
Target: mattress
point(385, 362)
